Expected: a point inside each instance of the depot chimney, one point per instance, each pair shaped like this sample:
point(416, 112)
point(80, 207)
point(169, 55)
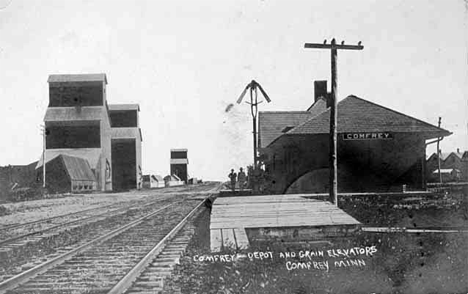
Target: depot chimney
point(320, 90)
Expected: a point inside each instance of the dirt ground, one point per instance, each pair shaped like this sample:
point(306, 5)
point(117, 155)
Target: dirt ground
point(27, 254)
point(402, 263)
point(27, 211)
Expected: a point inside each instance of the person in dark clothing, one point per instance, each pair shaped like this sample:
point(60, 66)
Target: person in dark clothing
point(233, 177)
point(241, 178)
point(209, 203)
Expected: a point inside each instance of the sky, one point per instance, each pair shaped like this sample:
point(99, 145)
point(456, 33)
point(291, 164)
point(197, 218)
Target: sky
point(185, 61)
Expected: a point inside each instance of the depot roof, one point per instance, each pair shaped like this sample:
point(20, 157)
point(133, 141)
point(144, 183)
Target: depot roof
point(358, 115)
point(272, 124)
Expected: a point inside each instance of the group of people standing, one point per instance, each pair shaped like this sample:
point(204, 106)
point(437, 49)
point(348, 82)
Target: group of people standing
point(239, 177)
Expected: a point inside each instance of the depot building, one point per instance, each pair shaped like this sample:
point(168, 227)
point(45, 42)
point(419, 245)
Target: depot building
point(379, 149)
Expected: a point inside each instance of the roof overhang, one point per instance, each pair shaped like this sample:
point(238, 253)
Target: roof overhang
point(92, 155)
point(179, 161)
point(84, 113)
point(126, 133)
point(77, 78)
point(179, 150)
point(124, 107)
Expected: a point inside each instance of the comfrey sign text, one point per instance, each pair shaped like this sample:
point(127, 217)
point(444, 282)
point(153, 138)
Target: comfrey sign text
point(368, 136)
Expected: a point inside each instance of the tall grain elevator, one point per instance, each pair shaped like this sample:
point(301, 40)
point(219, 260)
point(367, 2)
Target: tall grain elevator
point(89, 144)
point(179, 162)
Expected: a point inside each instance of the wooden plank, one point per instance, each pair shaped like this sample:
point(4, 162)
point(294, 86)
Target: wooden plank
point(253, 199)
point(265, 205)
point(228, 213)
point(224, 213)
point(260, 199)
point(247, 201)
point(286, 218)
point(304, 208)
point(276, 211)
point(269, 203)
point(311, 202)
point(241, 238)
point(252, 223)
point(286, 221)
point(221, 213)
point(272, 201)
point(235, 204)
point(300, 207)
point(229, 240)
point(329, 216)
point(268, 207)
point(276, 225)
point(216, 240)
point(279, 223)
point(283, 221)
point(279, 215)
point(229, 218)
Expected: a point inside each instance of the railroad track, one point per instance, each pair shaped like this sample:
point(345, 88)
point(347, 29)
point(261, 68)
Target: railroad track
point(115, 258)
point(148, 275)
point(12, 234)
point(45, 220)
point(30, 252)
point(30, 226)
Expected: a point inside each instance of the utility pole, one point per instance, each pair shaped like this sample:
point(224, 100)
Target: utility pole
point(43, 129)
point(333, 162)
point(438, 153)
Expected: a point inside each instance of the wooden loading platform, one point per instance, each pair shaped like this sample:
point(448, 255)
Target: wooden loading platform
point(272, 216)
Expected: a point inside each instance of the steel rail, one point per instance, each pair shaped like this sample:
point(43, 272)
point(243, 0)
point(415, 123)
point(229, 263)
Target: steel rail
point(10, 240)
point(127, 281)
point(14, 226)
point(9, 227)
point(28, 274)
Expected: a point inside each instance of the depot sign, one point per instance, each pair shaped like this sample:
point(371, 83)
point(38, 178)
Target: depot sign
point(368, 136)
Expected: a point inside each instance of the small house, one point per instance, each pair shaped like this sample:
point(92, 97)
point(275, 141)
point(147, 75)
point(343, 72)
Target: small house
point(448, 161)
point(464, 168)
point(447, 174)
